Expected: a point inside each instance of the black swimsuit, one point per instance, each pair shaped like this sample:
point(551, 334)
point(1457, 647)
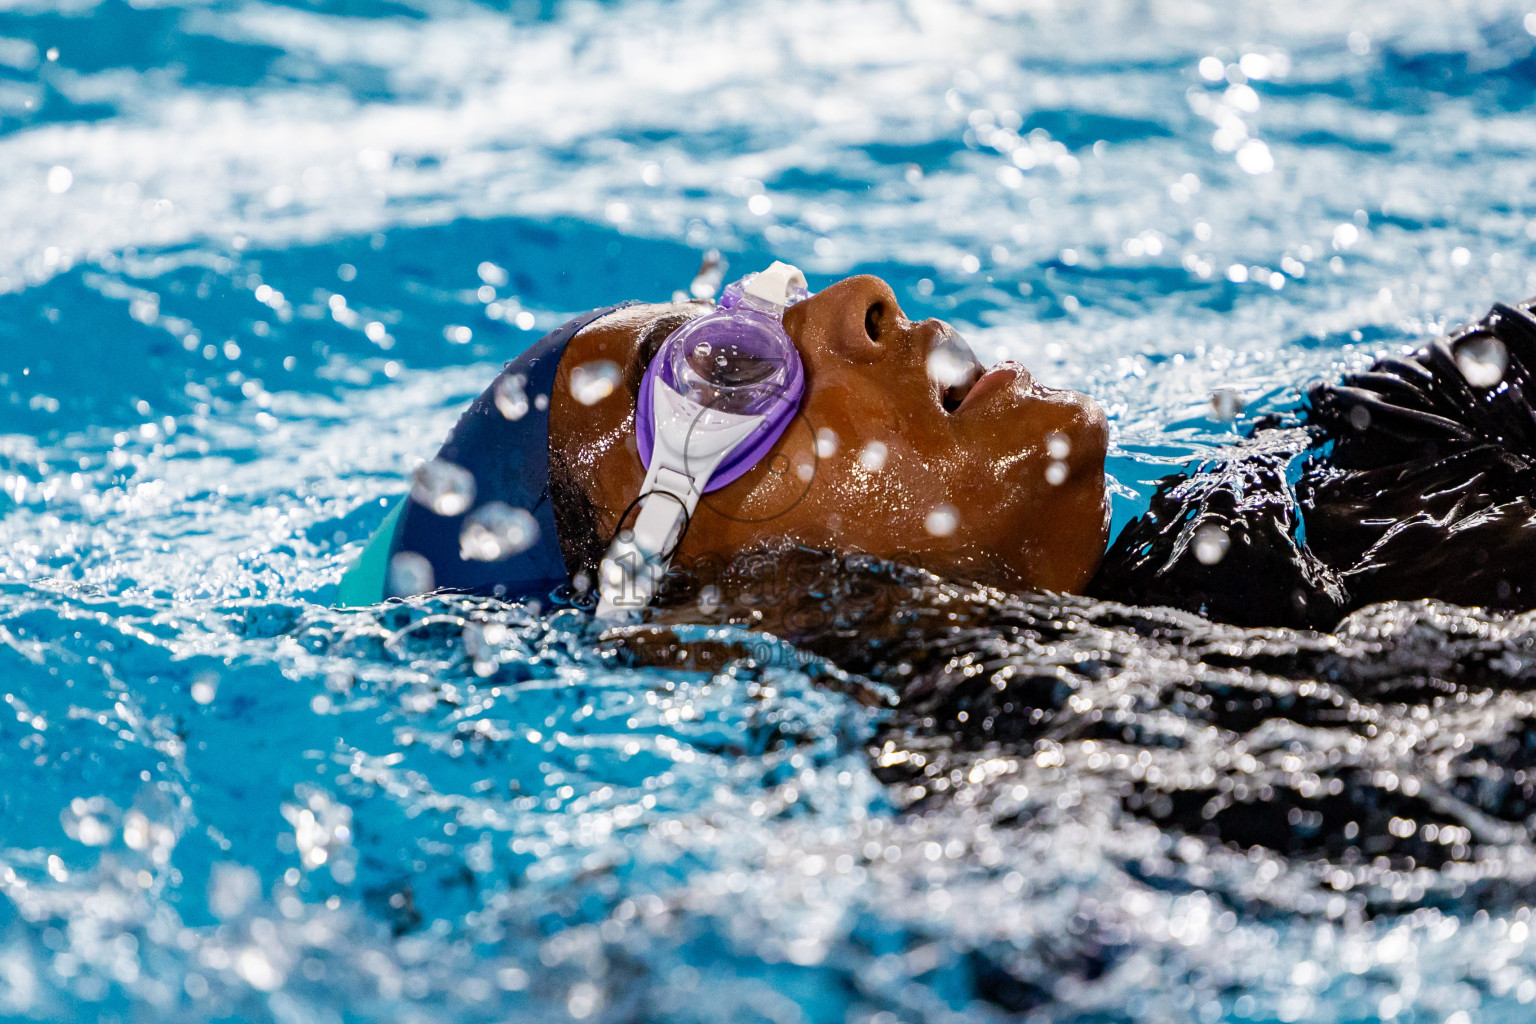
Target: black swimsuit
point(1407, 481)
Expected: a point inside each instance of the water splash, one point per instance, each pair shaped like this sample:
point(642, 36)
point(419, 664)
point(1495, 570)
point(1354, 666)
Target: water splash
point(234, 237)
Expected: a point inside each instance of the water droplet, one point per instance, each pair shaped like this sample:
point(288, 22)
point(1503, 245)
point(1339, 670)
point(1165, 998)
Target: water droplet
point(1256, 65)
point(711, 272)
point(491, 274)
point(255, 968)
point(826, 443)
point(1211, 543)
point(1360, 418)
point(1226, 404)
point(443, 487)
point(409, 574)
point(86, 820)
point(592, 382)
point(1056, 473)
point(1241, 96)
point(873, 456)
point(60, 179)
point(231, 888)
point(941, 522)
point(458, 334)
point(946, 368)
point(496, 531)
point(584, 999)
point(205, 687)
point(1058, 445)
point(137, 830)
point(1482, 359)
point(510, 398)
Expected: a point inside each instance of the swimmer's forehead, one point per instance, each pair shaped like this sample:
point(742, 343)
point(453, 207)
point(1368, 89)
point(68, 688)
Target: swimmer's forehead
point(642, 315)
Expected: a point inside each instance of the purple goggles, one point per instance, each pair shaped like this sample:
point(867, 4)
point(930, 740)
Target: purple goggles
point(736, 360)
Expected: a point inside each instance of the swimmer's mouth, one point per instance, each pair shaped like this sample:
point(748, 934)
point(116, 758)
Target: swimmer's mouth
point(955, 395)
point(965, 371)
point(995, 379)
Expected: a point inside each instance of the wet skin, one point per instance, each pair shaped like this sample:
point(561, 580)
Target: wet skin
point(981, 447)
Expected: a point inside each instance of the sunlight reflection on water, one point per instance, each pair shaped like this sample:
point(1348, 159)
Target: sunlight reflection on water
point(258, 256)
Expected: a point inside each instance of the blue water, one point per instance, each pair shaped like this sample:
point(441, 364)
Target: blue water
point(239, 243)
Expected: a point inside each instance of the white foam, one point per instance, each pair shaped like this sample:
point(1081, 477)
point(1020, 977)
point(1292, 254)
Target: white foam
point(491, 117)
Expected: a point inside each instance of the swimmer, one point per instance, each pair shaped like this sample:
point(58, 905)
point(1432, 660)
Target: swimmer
point(608, 456)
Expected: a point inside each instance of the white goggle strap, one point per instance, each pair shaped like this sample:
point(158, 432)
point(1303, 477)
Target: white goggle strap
point(683, 459)
point(639, 556)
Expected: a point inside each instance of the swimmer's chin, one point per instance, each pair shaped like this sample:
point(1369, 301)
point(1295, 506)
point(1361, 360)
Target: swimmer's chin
point(1071, 475)
point(1088, 430)
point(1070, 527)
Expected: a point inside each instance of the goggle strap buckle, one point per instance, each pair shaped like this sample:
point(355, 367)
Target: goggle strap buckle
point(639, 557)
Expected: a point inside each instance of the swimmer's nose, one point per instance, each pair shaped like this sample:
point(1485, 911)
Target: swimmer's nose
point(858, 317)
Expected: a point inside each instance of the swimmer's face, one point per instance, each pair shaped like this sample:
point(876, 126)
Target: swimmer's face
point(979, 475)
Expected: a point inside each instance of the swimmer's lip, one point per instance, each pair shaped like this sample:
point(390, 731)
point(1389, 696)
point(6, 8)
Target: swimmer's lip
point(996, 379)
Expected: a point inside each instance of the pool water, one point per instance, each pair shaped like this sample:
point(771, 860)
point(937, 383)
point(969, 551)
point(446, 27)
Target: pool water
point(257, 256)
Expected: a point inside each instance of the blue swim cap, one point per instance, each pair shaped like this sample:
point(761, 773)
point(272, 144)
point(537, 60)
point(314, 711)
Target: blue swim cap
point(506, 452)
